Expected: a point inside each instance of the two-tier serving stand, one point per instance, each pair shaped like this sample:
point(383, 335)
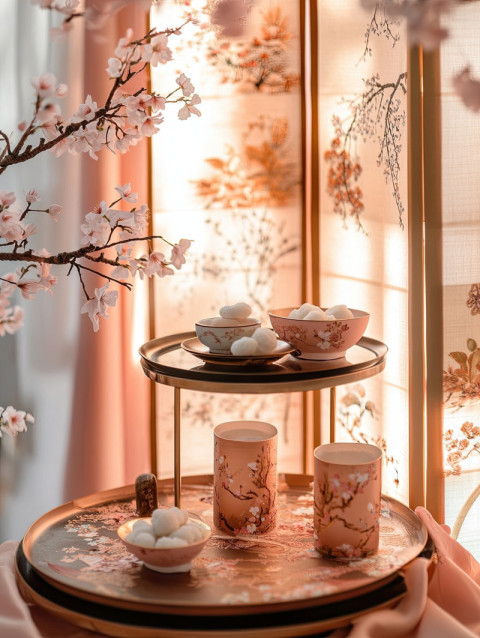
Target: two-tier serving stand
point(72, 563)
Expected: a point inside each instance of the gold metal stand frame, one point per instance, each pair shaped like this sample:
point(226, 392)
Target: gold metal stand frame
point(165, 361)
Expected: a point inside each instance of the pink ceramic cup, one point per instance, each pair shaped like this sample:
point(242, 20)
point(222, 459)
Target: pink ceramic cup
point(347, 493)
point(245, 477)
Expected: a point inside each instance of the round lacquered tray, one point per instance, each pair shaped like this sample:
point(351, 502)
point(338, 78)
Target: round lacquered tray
point(166, 360)
point(72, 559)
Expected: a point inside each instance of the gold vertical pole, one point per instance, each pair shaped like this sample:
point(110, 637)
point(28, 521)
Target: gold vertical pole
point(333, 412)
point(314, 195)
point(416, 282)
point(433, 283)
point(151, 302)
point(177, 476)
point(425, 283)
point(305, 208)
point(310, 205)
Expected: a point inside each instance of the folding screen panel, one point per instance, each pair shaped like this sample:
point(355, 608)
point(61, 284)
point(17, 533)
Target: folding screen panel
point(460, 186)
point(363, 239)
point(231, 181)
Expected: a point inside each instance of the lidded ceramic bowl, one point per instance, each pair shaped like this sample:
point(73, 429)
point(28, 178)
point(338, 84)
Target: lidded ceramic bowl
point(218, 333)
point(317, 339)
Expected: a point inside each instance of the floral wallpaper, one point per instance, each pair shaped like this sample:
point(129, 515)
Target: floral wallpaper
point(363, 243)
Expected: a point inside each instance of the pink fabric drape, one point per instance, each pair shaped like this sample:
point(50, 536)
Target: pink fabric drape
point(110, 412)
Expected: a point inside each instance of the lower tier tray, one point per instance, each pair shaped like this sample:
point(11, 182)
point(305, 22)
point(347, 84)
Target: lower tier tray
point(72, 563)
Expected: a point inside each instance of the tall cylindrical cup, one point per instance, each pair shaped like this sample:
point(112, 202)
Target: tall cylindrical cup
point(245, 477)
point(347, 494)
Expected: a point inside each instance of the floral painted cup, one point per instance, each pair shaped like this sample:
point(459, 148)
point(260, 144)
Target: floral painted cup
point(347, 493)
point(245, 477)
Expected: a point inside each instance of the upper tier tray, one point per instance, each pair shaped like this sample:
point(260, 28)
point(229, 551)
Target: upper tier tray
point(165, 361)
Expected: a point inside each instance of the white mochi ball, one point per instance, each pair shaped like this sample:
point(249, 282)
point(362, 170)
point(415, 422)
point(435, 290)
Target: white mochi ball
point(266, 340)
point(164, 522)
point(167, 542)
point(315, 315)
point(237, 311)
point(305, 309)
point(244, 347)
point(294, 314)
point(191, 533)
point(142, 526)
point(143, 539)
point(340, 312)
point(182, 515)
point(223, 322)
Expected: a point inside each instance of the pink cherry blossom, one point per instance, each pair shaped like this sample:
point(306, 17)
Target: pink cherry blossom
point(96, 230)
point(30, 287)
point(150, 125)
point(61, 90)
point(114, 68)
point(157, 52)
point(6, 199)
point(123, 46)
point(69, 7)
point(22, 125)
point(55, 210)
point(156, 265)
point(45, 84)
point(468, 88)
point(189, 108)
point(98, 306)
point(178, 251)
point(14, 421)
point(130, 138)
point(126, 194)
point(28, 231)
point(185, 84)
point(156, 103)
point(61, 147)
point(32, 196)
point(11, 229)
point(85, 111)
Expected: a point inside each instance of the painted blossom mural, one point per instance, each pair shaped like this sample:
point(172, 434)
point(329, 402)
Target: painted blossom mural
point(242, 200)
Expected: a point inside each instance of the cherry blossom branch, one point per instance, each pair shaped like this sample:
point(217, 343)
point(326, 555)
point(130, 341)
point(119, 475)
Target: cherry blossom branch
point(90, 127)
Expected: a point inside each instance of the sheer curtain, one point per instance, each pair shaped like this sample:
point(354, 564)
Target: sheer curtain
point(86, 391)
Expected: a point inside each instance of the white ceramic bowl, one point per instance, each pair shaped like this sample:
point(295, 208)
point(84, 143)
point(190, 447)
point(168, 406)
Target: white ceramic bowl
point(171, 560)
point(219, 338)
point(320, 340)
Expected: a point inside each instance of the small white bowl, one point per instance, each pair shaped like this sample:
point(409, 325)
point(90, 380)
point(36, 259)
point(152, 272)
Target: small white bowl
point(166, 561)
point(219, 338)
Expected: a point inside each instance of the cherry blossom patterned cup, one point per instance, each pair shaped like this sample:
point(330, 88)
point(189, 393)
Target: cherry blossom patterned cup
point(347, 493)
point(245, 477)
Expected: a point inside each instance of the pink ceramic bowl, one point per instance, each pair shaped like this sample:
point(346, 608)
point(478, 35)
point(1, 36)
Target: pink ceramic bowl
point(171, 560)
point(220, 338)
point(320, 340)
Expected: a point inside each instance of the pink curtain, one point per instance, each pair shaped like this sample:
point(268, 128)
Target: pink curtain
point(110, 411)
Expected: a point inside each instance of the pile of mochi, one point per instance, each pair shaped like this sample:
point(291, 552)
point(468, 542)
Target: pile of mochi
point(168, 528)
point(314, 313)
point(262, 341)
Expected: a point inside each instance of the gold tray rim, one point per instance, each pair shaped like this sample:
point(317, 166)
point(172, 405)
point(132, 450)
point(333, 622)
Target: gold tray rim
point(127, 492)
